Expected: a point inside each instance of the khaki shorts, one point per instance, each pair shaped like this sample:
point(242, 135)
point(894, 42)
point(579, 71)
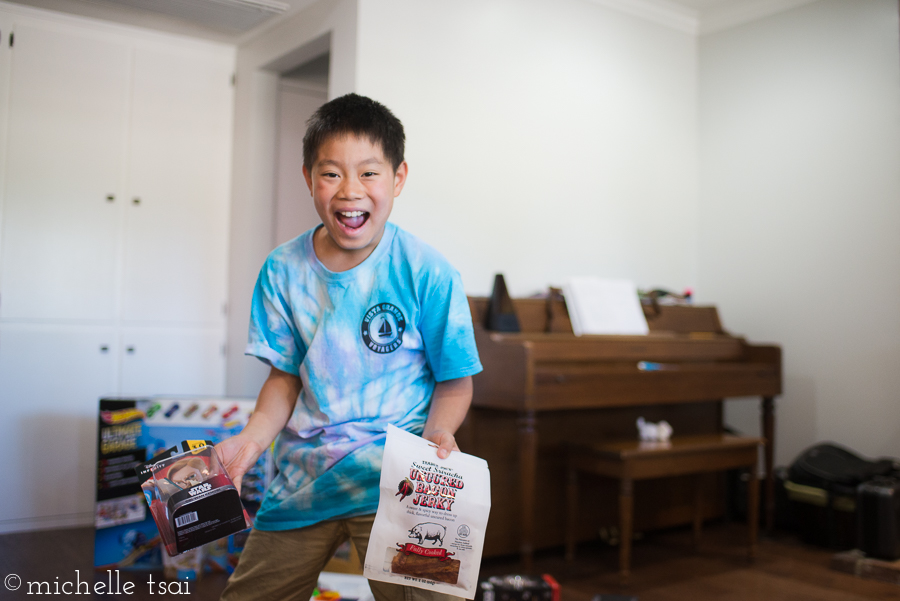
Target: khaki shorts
point(285, 565)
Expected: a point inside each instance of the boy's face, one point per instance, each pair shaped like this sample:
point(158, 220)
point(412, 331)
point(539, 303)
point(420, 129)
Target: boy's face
point(353, 187)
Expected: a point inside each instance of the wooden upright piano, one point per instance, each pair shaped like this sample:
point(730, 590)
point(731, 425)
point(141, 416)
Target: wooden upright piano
point(544, 388)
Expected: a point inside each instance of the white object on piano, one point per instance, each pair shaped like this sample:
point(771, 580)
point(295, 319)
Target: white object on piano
point(604, 306)
point(660, 432)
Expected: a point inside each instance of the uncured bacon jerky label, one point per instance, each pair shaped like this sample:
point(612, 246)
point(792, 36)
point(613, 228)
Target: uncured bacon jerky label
point(432, 514)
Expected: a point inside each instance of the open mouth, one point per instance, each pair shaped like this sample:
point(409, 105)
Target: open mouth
point(352, 219)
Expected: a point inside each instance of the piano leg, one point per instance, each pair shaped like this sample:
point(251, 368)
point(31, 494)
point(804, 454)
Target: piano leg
point(698, 509)
point(768, 431)
point(626, 528)
point(527, 471)
point(571, 509)
point(752, 512)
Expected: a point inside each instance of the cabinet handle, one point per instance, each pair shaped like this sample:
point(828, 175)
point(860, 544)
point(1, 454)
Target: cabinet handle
point(110, 197)
point(136, 200)
point(104, 348)
point(130, 349)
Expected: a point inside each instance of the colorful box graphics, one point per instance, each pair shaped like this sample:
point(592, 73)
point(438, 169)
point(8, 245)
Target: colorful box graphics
point(132, 431)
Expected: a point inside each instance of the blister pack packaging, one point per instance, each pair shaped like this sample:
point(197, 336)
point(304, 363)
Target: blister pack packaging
point(191, 497)
point(431, 518)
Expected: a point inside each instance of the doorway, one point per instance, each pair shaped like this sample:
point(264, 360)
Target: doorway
point(300, 92)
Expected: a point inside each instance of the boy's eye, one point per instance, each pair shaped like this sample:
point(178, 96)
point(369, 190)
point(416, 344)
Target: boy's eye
point(329, 174)
point(369, 174)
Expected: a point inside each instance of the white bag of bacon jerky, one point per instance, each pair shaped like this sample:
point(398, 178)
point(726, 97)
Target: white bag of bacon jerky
point(432, 514)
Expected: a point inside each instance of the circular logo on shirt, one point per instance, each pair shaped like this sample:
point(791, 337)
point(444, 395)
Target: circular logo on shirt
point(382, 328)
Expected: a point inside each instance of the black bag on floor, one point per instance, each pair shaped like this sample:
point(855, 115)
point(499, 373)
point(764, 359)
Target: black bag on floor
point(878, 506)
point(836, 469)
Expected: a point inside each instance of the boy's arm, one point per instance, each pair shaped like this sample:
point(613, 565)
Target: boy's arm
point(449, 406)
point(273, 410)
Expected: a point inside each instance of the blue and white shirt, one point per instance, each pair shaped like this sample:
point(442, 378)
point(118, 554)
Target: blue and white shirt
point(369, 344)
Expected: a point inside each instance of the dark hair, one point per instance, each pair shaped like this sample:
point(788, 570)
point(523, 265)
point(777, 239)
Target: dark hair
point(359, 116)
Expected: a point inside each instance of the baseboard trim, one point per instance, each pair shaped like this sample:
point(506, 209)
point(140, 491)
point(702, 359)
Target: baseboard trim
point(51, 522)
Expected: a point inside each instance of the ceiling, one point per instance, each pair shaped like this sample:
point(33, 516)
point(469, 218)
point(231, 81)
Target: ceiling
point(229, 21)
point(233, 21)
point(706, 5)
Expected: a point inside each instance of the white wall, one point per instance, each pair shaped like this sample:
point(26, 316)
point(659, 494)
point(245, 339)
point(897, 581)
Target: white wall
point(545, 139)
point(800, 213)
point(327, 26)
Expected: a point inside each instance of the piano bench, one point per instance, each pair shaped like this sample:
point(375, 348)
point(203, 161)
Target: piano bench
point(632, 460)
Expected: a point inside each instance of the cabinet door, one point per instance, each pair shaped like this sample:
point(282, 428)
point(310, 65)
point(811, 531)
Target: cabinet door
point(176, 233)
point(66, 142)
point(173, 361)
point(6, 21)
point(51, 378)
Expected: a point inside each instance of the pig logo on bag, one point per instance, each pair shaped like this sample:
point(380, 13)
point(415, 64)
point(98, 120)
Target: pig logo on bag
point(428, 531)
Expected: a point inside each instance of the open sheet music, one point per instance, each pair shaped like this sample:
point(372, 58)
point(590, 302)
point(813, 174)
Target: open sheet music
point(604, 306)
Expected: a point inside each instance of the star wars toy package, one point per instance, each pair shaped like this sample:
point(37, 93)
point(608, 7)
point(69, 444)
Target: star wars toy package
point(191, 497)
point(431, 518)
point(133, 431)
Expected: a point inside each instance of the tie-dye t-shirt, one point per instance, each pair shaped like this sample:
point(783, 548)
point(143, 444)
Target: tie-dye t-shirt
point(369, 344)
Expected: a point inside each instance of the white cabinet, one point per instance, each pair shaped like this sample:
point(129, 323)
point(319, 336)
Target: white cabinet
point(163, 361)
point(50, 380)
point(177, 213)
point(115, 150)
point(118, 181)
point(6, 22)
point(66, 143)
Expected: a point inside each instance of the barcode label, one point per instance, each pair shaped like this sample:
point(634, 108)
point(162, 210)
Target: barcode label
point(184, 520)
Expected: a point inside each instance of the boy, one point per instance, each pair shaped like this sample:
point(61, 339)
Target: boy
point(369, 327)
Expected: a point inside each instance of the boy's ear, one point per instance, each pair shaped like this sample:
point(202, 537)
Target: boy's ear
point(308, 177)
point(400, 177)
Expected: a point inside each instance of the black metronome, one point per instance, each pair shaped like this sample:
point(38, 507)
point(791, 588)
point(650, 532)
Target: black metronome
point(501, 314)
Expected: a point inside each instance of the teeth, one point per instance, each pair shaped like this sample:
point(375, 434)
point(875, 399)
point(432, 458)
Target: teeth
point(352, 213)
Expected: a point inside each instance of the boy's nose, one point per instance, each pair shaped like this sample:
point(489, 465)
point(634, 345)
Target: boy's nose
point(352, 188)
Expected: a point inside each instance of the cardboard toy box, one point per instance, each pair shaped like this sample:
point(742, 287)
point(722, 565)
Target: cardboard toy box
point(131, 432)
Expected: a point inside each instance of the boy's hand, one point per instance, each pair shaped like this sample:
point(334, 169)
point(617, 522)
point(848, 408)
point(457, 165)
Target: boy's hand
point(444, 440)
point(238, 454)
